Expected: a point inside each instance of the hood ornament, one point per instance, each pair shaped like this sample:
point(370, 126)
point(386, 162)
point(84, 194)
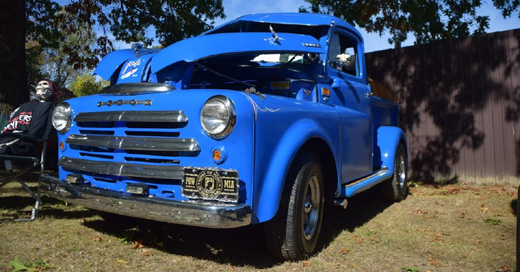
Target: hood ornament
point(137, 47)
point(275, 39)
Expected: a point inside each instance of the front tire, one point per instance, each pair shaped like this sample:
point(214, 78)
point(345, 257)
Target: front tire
point(293, 233)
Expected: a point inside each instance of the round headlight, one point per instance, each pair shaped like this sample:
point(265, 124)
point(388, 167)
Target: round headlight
point(61, 117)
point(218, 116)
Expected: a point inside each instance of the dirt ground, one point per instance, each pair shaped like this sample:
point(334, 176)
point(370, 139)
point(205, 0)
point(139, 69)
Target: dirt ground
point(457, 227)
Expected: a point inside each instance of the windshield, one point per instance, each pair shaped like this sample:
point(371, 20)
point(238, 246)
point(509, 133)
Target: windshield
point(283, 74)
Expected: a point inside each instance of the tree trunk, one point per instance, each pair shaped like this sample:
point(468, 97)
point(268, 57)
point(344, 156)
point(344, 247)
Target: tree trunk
point(13, 72)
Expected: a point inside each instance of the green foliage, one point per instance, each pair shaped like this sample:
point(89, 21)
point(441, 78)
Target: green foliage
point(76, 51)
point(61, 41)
point(86, 84)
point(58, 46)
point(493, 221)
point(34, 266)
point(427, 20)
point(135, 21)
point(410, 269)
point(38, 14)
point(39, 35)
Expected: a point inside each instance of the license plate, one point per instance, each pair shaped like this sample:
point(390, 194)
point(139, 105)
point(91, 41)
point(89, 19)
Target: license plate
point(210, 184)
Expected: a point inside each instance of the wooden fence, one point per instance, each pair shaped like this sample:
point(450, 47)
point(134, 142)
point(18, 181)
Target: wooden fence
point(460, 106)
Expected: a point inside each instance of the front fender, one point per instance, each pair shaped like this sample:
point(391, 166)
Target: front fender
point(269, 189)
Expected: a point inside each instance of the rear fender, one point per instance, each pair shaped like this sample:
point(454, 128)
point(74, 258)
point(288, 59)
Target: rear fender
point(388, 140)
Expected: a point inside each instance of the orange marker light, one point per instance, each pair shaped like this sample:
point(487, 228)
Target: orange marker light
point(62, 145)
point(217, 155)
point(325, 91)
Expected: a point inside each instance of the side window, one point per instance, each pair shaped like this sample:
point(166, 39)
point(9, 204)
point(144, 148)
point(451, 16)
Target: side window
point(342, 54)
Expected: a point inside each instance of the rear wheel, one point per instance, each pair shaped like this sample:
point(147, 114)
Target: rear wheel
point(293, 233)
point(396, 188)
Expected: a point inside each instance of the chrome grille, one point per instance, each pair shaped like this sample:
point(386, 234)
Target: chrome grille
point(133, 116)
point(123, 169)
point(144, 144)
point(135, 143)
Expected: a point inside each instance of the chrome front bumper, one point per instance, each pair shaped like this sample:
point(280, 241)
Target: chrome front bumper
point(183, 213)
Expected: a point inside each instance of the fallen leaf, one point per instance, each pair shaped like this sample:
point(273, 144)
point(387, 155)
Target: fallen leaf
point(345, 251)
point(358, 239)
point(306, 263)
point(419, 211)
point(96, 239)
point(137, 244)
point(25, 226)
point(147, 253)
point(434, 262)
point(462, 215)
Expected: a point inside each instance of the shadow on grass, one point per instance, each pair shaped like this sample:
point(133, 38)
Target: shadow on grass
point(239, 247)
point(361, 209)
point(19, 206)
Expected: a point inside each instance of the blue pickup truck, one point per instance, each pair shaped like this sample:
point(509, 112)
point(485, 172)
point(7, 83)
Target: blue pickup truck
point(263, 120)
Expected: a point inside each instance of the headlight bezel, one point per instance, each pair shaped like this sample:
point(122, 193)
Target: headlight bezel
point(63, 111)
point(215, 125)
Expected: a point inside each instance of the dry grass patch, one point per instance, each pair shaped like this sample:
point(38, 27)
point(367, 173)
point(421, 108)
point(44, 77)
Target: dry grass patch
point(446, 228)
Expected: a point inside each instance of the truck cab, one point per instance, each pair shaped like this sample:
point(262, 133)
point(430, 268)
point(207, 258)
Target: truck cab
point(262, 120)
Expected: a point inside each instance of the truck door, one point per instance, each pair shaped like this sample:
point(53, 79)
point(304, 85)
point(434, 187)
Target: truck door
point(352, 97)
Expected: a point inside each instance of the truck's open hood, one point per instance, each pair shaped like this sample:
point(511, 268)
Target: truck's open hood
point(200, 47)
point(230, 43)
point(111, 62)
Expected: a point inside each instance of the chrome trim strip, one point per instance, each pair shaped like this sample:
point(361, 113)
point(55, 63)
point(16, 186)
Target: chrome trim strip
point(185, 213)
point(136, 88)
point(123, 169)
point(135, 143)
point(121, 102)
point(177, 116)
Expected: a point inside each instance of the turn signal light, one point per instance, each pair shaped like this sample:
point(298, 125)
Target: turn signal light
point(217, 155)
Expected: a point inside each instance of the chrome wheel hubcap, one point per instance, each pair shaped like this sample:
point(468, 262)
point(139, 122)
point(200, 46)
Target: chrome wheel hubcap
point(402, 174)
point(311, 208)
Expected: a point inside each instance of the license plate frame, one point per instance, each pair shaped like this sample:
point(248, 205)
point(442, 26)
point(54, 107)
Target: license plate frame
point(210, 184)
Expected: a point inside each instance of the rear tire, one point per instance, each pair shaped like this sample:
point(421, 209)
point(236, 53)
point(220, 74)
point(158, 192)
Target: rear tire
point(396, 188)
point(293, 233)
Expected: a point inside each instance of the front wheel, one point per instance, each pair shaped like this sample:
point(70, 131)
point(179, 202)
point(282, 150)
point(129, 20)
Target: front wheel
point(293, 233)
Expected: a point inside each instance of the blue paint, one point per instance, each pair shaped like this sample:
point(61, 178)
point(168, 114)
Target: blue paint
point(301, 94)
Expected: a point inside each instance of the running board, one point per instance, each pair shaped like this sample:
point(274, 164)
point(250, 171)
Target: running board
point(365, 183)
